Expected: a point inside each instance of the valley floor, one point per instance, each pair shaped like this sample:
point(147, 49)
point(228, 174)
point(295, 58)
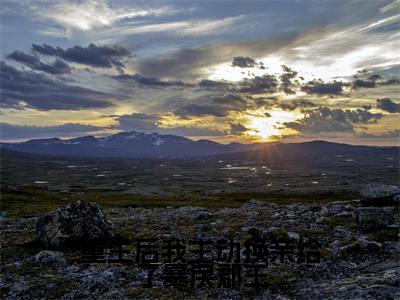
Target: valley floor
point(355, 263)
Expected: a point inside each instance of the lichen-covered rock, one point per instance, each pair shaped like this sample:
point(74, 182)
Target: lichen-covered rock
point(379, 195)
point(75, 224)
point(374, 217)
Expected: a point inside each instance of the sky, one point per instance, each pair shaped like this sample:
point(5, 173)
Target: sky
point(243, 71)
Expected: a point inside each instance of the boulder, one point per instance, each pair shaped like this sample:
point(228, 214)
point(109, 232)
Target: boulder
point(380, 195)
point(361, 246)
point(45, 256)
point(374, 217)
point(75, 224)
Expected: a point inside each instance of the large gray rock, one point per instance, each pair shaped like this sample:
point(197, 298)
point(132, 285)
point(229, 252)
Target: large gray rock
point(46, 256)
point(380, 195)
point(374, 217)
point(75, 224)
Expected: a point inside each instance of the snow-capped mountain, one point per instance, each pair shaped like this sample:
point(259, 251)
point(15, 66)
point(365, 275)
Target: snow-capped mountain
point(127, 144)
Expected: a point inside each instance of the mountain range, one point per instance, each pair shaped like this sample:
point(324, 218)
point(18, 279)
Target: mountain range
point(141, 145)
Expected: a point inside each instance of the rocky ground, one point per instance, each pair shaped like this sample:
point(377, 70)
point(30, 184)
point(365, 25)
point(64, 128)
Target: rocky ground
point(359, 249)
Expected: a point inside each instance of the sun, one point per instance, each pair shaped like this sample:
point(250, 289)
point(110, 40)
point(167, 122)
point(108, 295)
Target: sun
point(263, 128)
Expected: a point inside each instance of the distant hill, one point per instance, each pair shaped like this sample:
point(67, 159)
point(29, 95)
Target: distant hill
point(140, 145)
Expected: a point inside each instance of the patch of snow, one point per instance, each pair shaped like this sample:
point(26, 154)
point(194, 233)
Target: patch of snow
point(158, 142)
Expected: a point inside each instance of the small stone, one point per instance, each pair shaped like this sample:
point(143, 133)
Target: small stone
point(324, 211)
point(259, 204)
point(273, 232)
point(293, 236)
point(344, 214)
point(322, 220)
point(335, 209)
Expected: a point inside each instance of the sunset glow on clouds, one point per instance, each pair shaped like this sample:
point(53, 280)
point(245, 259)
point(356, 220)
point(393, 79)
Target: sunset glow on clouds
point(224, 70)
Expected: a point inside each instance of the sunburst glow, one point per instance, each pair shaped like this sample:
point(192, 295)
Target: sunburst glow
point(263, 127)
point(267, 127)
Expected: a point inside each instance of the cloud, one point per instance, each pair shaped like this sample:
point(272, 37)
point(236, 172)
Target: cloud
point(153, 123)
point(32, 61)
point(12, 132)
point(237, 128)
point(373, 81)
point(388, 105)
point(325, 119)
point(150, 81)
point(243, 62)
point(321, 88)
point(292, 105)
point(21, 89)
point(214, 105)
point(92, 55)
point(214, 85)
point(287, 83)
point(138, 121)
point(193, 63)
point(259, 84)
point(370, 82)
point(88, 15)
point(197, 110)
point(385, 135)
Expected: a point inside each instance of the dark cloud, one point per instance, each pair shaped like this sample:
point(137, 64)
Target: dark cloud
point(243, 62)
point(150, 81)
point(321, 88)
point(32, 61)
point(237, 128)
point(292, 105)
point(10, 131)
point(325, 119)
point(197, 110)
point(34, 90)
point(94, 56)
point(215, 85)
point(217, 105)
point(138, 121)
point(287, 80)
point(373, 81)
point(259, 84)
point(388, 105)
